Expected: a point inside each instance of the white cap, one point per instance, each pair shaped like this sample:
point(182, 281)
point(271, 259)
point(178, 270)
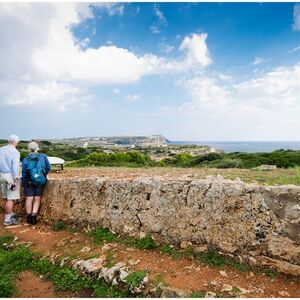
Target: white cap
point(13, 138)
point(32, 146)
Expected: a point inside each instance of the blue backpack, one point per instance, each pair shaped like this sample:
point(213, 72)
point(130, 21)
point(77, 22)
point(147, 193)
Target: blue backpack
point(35, 171)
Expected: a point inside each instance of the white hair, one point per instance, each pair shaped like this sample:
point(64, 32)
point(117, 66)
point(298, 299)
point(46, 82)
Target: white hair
point(33, 146)
point(12, 139)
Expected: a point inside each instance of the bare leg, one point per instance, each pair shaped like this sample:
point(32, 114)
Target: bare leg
point(9, 206)
point(28, 205)
point(36, 204)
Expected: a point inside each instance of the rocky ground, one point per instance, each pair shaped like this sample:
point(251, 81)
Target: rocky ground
point(178, 276)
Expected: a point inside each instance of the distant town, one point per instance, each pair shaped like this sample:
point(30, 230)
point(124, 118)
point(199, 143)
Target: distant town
point(162, 146)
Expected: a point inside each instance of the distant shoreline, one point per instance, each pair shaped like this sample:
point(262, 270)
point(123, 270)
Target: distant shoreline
point(244, 146)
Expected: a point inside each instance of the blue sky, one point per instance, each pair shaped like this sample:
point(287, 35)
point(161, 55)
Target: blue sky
point(189, 71)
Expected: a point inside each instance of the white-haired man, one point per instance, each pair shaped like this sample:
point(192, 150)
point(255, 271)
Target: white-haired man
point(9, 178)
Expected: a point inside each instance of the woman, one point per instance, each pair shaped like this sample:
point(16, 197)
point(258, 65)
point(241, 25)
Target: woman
point(35, 168)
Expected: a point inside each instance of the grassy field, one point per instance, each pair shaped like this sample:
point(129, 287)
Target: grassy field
point(272, 177)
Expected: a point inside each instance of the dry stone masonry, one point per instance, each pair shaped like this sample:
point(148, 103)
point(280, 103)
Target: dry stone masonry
point(256, 224)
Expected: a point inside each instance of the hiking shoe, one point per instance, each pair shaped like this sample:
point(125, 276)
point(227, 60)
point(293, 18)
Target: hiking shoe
point(28, 219)
point(14, 220)
point(33, 220)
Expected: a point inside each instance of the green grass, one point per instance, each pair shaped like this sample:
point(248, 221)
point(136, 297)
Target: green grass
point(59, 225)
point(144, 243)
point(12, 262)
point(158, 280)
point(196, 294)
point(104, 290)
point(18, 259)
point(135, 278)
point(167, 249)
point(110, 261)
point(66, 279)
point(213, 258)
point(100, 235)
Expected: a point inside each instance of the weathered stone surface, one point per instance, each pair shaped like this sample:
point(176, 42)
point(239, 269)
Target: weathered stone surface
point(231, 216)
point(90, 266)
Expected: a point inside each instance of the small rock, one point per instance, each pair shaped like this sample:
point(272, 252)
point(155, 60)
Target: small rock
point(168, 292)
point(200, 249)
point(142, 235)
point(63, 261)
point(227, 288)
point(223, 273)
point(243, 291)
point(133, 262)
point(283, 294)
point(251, 274)
point(92, 265)
point(214, 283)
point(85, 249)
point(123, 275)
point(252, 260)
point(106, 247)
point(210, 294)
point(185, 244)
point(74, 240)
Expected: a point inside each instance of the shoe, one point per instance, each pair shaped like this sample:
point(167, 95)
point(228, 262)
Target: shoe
point(33, 220)
point(28, 219)
point(14, 220)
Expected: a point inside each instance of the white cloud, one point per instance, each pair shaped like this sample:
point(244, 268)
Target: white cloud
point(161, 20)
point(34, 55)
point(196, 49)
point(116, 91)
point(258, 60)
point(275, 92)
point(59, 95)
point(296, 25)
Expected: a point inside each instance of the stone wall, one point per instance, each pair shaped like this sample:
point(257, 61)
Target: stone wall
point(257, 224)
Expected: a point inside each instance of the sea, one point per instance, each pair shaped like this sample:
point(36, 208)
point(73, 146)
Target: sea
point(240, 146)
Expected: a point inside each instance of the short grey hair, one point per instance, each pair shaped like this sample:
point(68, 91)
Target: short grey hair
point(13, 139)
point(33, 146)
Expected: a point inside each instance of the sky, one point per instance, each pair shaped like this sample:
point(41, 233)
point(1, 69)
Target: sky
point(188, 71)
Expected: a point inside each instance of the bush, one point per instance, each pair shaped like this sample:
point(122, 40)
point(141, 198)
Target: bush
point(130, 158)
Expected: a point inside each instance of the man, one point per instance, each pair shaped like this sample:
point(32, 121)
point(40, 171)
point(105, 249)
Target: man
point(35, 168)
point(9, 178)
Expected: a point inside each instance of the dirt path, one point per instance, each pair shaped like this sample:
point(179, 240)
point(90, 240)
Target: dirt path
point(29, 285)
point(185, 274)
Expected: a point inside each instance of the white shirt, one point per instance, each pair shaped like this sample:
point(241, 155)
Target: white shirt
point(10, 160)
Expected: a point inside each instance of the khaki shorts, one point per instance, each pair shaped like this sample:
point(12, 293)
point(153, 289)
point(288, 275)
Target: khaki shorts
point(6, 180)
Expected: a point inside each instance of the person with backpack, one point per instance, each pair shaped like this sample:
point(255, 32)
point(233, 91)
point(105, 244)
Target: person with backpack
point(35, 168)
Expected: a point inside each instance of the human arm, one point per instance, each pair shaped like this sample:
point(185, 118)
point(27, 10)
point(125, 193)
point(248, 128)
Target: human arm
point(47, 165)
point(24, 171)
point(15, 166)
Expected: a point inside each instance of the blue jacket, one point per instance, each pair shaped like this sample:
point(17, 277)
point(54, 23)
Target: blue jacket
point(44, 162)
